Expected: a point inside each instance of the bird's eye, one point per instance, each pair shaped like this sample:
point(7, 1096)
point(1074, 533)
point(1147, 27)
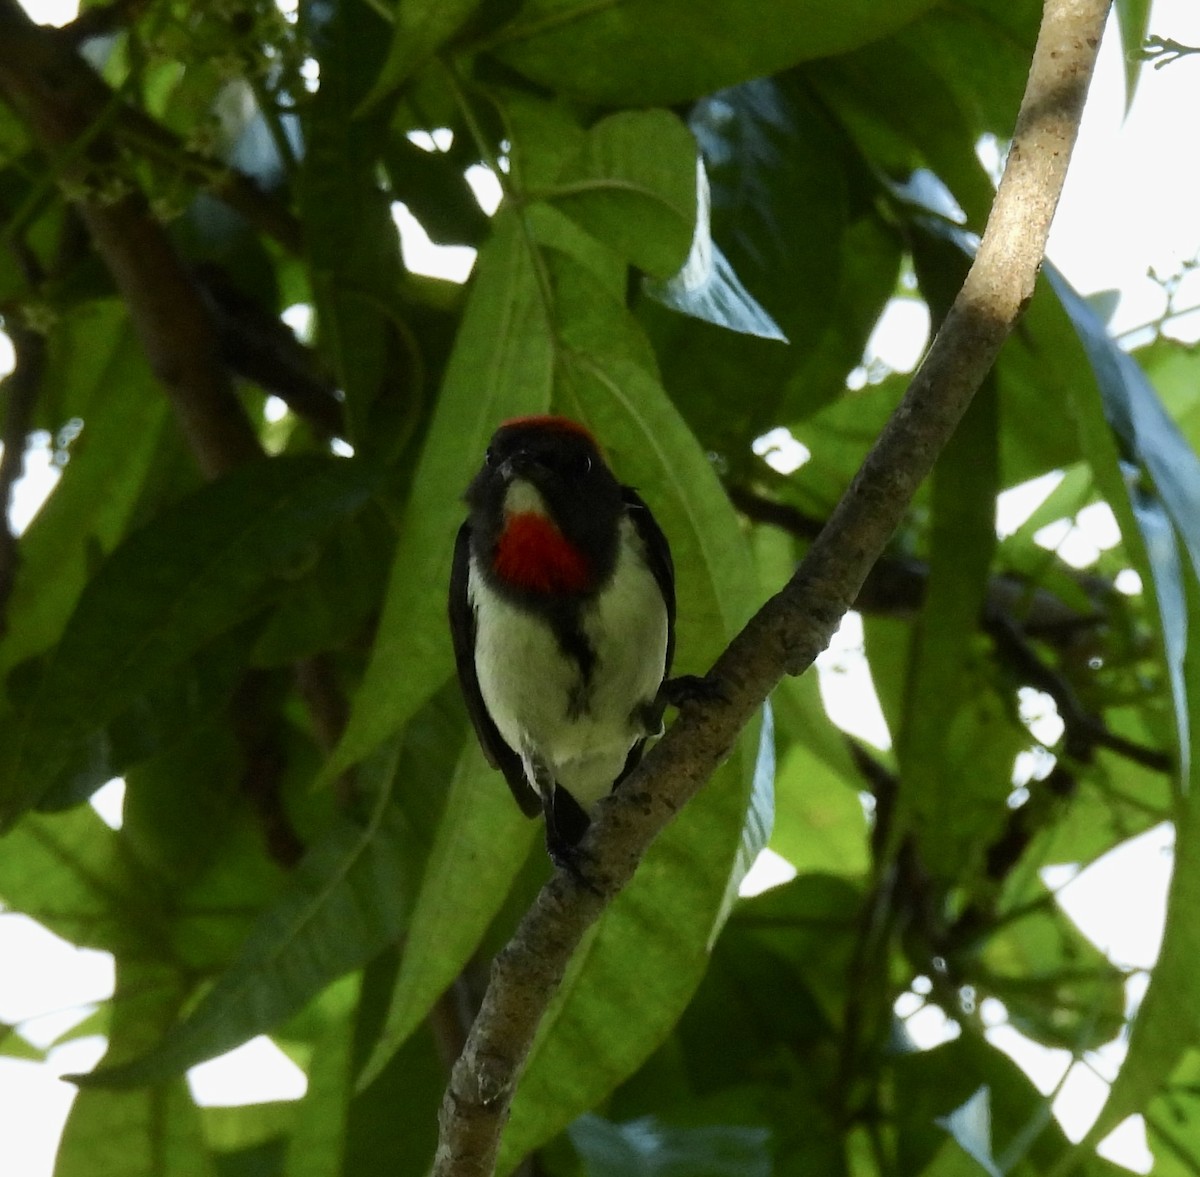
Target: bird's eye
point(489, 457)
point(585, 465)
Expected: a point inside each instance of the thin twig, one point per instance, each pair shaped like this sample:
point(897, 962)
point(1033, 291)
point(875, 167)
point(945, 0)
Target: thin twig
point(795, 625)
point(1164, 50)
point(263, 763)
point(1084, 731)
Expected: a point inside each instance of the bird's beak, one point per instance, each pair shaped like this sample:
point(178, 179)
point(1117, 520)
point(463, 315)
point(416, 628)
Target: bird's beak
point(516, 465)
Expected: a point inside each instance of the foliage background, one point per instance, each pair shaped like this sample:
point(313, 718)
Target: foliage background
point(312, 845)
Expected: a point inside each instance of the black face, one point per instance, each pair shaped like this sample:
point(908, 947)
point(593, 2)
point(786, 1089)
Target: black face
point(544, 456)
point(563, 463)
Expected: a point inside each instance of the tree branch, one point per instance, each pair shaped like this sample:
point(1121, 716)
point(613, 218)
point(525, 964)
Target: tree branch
point(794, 626)
point(101, 22)
point(896, 585)
point(1085, 731)
point(59, 96)
point(20, 391)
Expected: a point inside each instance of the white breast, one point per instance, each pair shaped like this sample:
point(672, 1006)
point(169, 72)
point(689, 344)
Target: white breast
point(535, 694)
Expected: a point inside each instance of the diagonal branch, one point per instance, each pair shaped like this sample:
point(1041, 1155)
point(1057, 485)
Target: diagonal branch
point(18, 395)
point(58, 96)
point(790, 630)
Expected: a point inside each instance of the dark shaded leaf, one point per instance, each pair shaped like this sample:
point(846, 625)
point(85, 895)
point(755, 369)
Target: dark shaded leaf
point(98, 370)
point(195, 572)
point(420, 29)
point(352, 242)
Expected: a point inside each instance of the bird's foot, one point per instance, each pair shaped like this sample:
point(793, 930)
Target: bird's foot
point(573, 861)
point(679, 692)
point(691, 688)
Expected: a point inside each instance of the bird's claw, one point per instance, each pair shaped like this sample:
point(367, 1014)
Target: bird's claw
point(691, 688)
point(571, 860)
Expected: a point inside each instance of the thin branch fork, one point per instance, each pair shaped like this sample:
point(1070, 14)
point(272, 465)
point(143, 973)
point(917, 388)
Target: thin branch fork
point(786, 635)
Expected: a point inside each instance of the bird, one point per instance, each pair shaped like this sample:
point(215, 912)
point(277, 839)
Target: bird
point(562, 618)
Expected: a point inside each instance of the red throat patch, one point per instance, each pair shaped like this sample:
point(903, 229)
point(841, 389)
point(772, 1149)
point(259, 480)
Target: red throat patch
point(533, 554)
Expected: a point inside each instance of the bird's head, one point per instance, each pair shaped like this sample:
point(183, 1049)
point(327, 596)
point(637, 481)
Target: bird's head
point(545, 507)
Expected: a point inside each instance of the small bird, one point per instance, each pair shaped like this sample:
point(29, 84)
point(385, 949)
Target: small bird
point(562, 614)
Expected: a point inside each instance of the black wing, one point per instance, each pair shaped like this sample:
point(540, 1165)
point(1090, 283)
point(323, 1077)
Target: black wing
point(658, 556)
point(462, 633)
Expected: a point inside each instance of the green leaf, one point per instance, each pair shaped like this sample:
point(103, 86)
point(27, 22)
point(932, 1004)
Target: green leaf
point(326, 607)
point(181, 806)
point(346, 901)
point(954, 812)
point(634, 187)
point(151, 1132)
point(1058, 987)
point(14, 1045)
point(1137, 415)
point(929, 1085)
point(501, 367)
point(481, 842)
point(1168, 1021)
point(777, 973)
point(392, 1126)
point(760, 814)
point(68, 872)
point(104, 375)
point(1149, 521)
point(660, 52)
point(544, 137)
point(248, 1125)
point(907, 102)
point(1133, 16)
point(1172, 1120)
point(420, 29)
point(352, 242)
point(820, 824)
point(317, 1145)
point(195, 572)
point(647, 1148)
